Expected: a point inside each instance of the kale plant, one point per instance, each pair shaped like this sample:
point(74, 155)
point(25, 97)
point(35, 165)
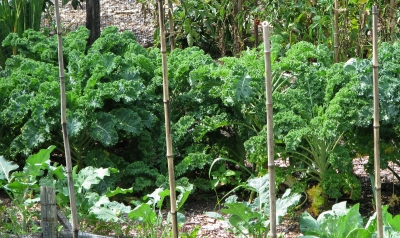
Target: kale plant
point(313, 117)
point(110, 98)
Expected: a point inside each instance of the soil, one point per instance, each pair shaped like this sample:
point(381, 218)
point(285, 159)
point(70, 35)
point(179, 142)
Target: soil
point(127, 15)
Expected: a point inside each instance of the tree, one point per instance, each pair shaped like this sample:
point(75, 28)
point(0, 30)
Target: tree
point(92, 17)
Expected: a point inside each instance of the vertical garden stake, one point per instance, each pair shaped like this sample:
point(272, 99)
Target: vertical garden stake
point(64, 126)
point(377, 158)
point(171, 25)
point(270, 132)
point(336, 32)
point(170, 157)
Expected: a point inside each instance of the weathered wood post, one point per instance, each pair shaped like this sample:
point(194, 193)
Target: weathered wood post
point(49, 211)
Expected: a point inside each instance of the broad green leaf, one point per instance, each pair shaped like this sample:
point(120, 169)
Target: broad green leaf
point(329, 223)
point(99, 201)
point(282, 204)
point(395, 223)
point(91, 99)
point(93, 198)
point(308, 225)
point(109, 61)
point(17, 187)
point(350, 64)
point(209, 124)
point(163, 194)
point(240, 213)
point(103, 129)
point(184, 193)
point(359, 233)
point(90, 176)
point(37, 162)
point(244, 91)
point(109, 210)
point(17, 108)
point(389, 232)
point(261, 186)
point(118, 190)
point(230, 173)
point(104, 213)
point(75, 123)
point(58, 172)
point(340, 209)
point(350, 221)
point(157, 197)
point(181, 128)
point(143, 214)
point(6, 167)
point(181, 219)
point(191, 162)
point(29, 202)
point(119, 208)
point(127, 120)
point(34, 133)
point(371, 224)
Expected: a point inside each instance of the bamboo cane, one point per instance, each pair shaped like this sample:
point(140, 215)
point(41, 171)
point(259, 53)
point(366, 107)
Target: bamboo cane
point(171, 25)
point(377, 161)
point(170, 157)
point(64, 126)
point(336, 32)
point(270, 132)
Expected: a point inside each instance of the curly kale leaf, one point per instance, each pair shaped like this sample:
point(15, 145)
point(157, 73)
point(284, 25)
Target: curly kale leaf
point(34, 45)
point(256, 149)
point(111, 41)
point(104, 93)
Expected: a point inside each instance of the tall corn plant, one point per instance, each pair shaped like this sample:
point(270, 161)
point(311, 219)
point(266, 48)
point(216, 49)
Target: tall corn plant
point(168, 137)
point(16, 16)
point(377, 161)
point(64, 126)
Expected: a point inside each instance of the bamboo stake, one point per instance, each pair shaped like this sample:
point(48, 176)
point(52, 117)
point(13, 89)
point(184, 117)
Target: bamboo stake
point(171, 25)
point(336, 32)
point(64, 126)
point(270, 132)
point(376, 122)
point(170, 157)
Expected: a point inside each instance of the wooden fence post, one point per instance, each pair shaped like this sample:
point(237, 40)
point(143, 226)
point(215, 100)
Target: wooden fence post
point(49, 211)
